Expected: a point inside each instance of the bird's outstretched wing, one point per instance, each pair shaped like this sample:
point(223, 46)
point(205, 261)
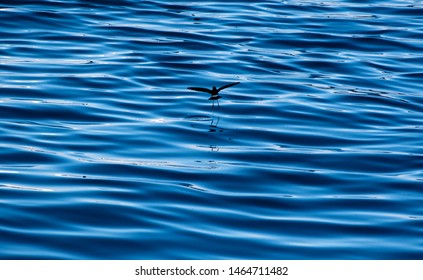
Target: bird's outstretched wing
point(201, 89)
point(226, 86)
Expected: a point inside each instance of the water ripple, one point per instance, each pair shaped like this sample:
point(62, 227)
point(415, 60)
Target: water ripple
point(316, 154)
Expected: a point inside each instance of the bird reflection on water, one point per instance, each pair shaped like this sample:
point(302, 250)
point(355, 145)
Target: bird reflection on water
point(213, 126)
point(214, 148)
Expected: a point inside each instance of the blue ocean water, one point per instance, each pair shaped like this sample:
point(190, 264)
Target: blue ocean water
point(316, 154)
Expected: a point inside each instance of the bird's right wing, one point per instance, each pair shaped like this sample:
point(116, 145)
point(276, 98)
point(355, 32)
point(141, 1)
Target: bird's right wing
point(201, 89)
point(226, 86)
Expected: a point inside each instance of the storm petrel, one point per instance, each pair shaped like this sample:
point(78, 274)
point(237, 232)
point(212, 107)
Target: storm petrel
point(214, 92)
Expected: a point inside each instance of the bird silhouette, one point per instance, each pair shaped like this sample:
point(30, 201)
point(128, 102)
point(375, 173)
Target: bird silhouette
point(214, 92)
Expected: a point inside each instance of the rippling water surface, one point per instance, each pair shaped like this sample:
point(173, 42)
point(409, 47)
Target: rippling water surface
point(316, 154)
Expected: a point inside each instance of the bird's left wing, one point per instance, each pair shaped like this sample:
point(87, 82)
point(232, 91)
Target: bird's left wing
point(200, 89)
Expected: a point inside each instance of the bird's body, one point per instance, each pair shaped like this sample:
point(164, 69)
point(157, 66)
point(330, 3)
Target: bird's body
point(215, 97)
point(214, 91)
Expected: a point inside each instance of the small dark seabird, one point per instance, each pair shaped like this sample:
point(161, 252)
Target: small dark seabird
point(214, 92)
